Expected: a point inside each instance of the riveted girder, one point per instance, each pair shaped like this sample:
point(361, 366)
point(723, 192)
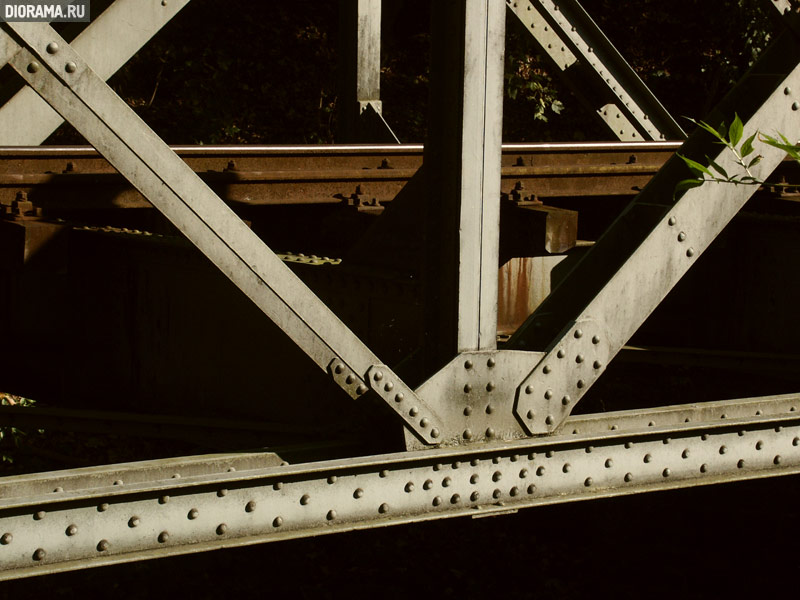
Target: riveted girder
point(106, 44)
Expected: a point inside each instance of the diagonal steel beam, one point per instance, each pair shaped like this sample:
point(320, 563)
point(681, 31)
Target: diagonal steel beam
point(107, 44)
point(595, 70)
point(609, 294)
point(64, 79)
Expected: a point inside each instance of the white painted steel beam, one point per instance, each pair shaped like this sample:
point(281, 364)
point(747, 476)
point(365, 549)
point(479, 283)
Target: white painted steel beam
point(635, 264)
point(589, 62)
point(106, 44)
point(90, 521)
point(61, 77)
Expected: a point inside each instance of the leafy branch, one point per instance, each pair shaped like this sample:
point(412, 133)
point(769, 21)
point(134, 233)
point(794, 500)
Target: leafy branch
point(743, 155)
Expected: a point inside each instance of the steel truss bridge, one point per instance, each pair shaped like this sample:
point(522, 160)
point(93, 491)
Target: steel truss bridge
point(405, 379)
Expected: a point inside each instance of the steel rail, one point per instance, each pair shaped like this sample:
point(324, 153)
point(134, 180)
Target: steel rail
point(88, 521)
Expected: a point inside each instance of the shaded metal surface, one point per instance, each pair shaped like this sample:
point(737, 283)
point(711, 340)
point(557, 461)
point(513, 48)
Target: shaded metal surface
point(93, 523)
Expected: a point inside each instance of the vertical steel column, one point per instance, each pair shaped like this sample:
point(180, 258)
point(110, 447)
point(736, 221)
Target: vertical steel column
point(462, 162)
point(361, 111)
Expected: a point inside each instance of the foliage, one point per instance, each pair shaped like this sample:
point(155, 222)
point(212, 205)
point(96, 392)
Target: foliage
point(12, 438)
point(730, 137)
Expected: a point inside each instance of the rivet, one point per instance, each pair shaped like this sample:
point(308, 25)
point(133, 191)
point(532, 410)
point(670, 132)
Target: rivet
point(497, 476)
point(589, 449)
point(467, 411)
point(490, 386)
point(489, 409)
point(514, 491)
point(389, 386)
point(561, 354)
point(666, 441)
point(221, 493)
point(102, 507)
point(588, 482)
point(359, 493)
point(475, 462)
point(579, 359)
point(349, 379)
point(740, 464)
point(796, 441)
point(609, 463)
point(548, 394)
point(628, 445)
point(338, 368)
point(468, 364)
point(384, 473)
point(546, 369)
point(496, 494)
point(467, 388)
point(549, 420)
point(685, 453)
point(277, 521)
point(414, 411)
point(490, 363)
point(723, 449)
point(703, 468)
point(33, 67)
point(361, 389)
point(540, 471)
point(467, 434)
point(39, 554)
point(531, 415)
point(58, 490)
point(598, 364)
point(38, 515)
point(250, 506)
point(102, 545)
point(777, 460)
point(331, 515)
point(795, 106)
point(277, 485)
point(581, 383)
point(565, 401)
point(489, 432)
point(193, 514)
point(52, 48)
point(647, 458)
point(529, 389)
point(437, 467)
point(778, 429)
point(409, 487)
point(221, 529)
point(427, 485)
point(474, 496)
point(446, 482)
point(595, 340)
point(305, 499)
point(681, 236)
point(549, 454)
point(690, 252)
point(578, 333)
point(787, 91)
point(455, 499)
point(666, 472)
point(332, 479)
point(628, 477)
point(163, 537)
point(434, 433)
point(378, 375)
point(424, 422)
point(437, 500)
point(651, 424)
point(133, 522)
point(70, 67)
point(614, 427)
point(531, 489)
point(566, 468)
point(7, 538)
point(672, 221)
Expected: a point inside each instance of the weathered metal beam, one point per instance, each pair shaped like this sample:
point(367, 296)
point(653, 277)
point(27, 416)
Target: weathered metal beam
point(66, 82)
point(88, 521)
point(361, 110)
point(594, 68)
point(108, 43)
point(462, 166)
point(620, 281)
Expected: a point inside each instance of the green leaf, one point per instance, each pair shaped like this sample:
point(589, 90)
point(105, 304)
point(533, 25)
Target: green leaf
point(687, 184)
point(717, 168)
point(747, 147)
point(695, 166)
point(736, 131)
point(755, 161)
point(719, 134)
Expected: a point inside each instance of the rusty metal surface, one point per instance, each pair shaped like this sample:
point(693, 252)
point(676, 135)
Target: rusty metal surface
point(78, 178)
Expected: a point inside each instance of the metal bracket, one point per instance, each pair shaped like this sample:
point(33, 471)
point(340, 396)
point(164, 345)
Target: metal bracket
point(546, 396)
point(474, 394)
